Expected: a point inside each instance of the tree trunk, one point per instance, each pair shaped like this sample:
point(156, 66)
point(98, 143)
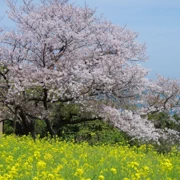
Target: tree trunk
point(50, 128)
point(29, 126)
point(1, 128)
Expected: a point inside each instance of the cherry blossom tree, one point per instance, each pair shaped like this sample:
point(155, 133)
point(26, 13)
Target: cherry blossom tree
point(162, 94)
point(61, 53)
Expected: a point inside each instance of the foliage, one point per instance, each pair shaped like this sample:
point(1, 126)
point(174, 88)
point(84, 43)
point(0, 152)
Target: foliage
point(8, 127)
point(162, 120)
point(40, 128)
point(177, 121)
point(96, 132)
point(22, 158)
point(92, 132)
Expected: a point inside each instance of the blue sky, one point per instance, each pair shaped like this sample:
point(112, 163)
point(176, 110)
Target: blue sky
point(157, 22)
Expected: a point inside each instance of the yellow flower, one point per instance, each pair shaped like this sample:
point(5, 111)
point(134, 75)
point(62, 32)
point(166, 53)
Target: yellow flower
point(138, 175)
point(146, 168)
point(7, 176)
point(166, 165)
point(134, 164)
point(50, 177)
point(9, 159)
point(113, 170)
point(41, 165)
point(37, 154)
point(35, 178)
point(48, 157)
point(79, 172)
point(101, 177)
point(30, 160)
point(27, 165)
point(58, 168)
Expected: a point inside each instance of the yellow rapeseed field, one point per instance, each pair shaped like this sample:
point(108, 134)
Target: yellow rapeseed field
point(23, 159)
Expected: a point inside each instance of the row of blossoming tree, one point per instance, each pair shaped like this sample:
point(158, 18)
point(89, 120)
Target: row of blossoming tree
point(61, 53)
